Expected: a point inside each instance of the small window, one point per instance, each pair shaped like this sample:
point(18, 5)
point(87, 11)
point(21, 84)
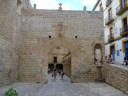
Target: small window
point(49, 36)
point(118, 52)
point(18, 2)
point(55, 59)
point(110, 13)
point(125, 24)
point(100, 5)
point(123, 3)
point(111, 32)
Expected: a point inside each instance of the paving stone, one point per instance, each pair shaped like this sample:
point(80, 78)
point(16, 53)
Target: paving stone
point(64, 87)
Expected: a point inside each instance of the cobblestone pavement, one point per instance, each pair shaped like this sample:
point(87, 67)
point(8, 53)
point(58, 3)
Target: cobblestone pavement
point(64, 87)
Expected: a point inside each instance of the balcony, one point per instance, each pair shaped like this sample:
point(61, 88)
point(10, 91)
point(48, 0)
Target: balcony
point(109, 20)
point(124, 31)
point(122, 8)
point(108, 2)
point(111, 37)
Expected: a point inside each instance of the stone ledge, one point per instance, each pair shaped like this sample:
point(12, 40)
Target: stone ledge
point(125, 67)
point(117, 76)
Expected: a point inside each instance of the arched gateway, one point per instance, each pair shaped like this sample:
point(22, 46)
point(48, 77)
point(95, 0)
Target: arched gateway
point(60, 57)
point(62, 53)
point(61, 38)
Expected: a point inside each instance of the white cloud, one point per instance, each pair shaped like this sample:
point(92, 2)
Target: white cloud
point(51, 4)
point(89, 2)
point(67, 6)
point(46, 4)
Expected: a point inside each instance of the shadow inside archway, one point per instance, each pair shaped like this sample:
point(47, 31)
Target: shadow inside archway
point(59, 59)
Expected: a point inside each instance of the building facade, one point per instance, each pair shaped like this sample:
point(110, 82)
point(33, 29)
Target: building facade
point(31, 40)
point(115, 28)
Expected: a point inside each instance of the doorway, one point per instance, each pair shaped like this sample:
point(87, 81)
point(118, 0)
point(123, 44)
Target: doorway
point(126, 48)
point(60, 56)
point(59, 67)
point(112, 52)
point(51, 67)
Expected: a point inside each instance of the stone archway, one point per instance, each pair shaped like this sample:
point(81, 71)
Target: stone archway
point(59, 67)
point(51, 67)
point(60, 56)
point(75, 57)
point(81, 62)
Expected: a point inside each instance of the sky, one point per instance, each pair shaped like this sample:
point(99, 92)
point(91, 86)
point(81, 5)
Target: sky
point(67, 4)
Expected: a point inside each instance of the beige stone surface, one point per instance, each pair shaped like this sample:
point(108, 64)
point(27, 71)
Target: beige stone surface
point(26, 46)
point(63, 26)
point(30, 38)
point(63, 87)
point(9, 41)
point(117, 76)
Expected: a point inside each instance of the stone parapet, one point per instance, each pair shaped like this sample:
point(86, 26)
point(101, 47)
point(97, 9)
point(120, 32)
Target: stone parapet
point(117, 76)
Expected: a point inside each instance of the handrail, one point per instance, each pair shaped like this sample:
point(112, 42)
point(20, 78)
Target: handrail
point(122, 5)
point(108, 2)
point(111, 36)
point(123, 30)
point(108, 18)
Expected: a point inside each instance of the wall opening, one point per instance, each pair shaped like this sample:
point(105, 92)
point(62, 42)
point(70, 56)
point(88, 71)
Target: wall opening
point(60, 57)
point(55, 59)
point(50, 68)
point(98, 46)
point(18, 2)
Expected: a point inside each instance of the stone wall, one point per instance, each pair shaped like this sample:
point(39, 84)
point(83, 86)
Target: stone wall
point(67, 64)
point(9, 41)
point(10, 37)
point(78, 31)
point(117, 76)
point(27, 35)
point(26, 4)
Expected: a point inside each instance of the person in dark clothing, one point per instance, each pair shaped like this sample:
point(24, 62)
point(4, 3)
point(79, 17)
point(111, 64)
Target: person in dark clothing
point(59, 71)
point(125, 62)
point(62, 75)
point(110, 61)
point(54, 74)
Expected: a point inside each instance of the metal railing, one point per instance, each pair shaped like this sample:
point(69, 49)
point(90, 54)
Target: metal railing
point(108, 2)
point(123, 30)
point(121, 6)
point(111, 37)
point(108, 19)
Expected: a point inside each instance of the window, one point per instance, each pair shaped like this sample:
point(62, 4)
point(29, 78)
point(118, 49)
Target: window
point(110, 13)
point(18, 2)
point(123, 3)
point(118, 52)
point(100, 5)
point(125, 24)
point(49, 36)
point(55, 59)
point(76, 37)
point(111, 32)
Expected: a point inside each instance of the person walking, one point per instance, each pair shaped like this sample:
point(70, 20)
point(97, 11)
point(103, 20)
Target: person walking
point(59, 71)
point(125, 62)
point(48, 70)
point(62, 74)
point(54, 73)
